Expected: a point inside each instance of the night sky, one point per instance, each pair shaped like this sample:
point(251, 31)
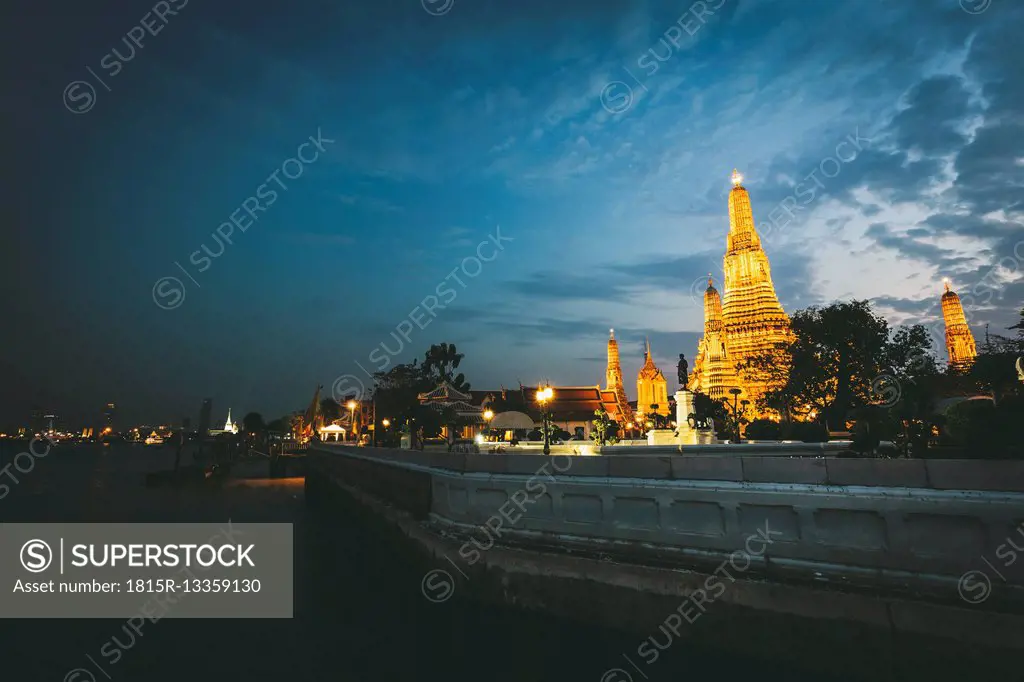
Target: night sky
point(599, 135)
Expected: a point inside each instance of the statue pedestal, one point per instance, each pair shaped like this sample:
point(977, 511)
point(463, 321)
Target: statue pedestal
point(684, 407)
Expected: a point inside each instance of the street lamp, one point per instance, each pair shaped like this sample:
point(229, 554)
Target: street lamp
point(543, 396)
point(488, 416)
point(385, 423)
point(735, 392)
point(352, 417)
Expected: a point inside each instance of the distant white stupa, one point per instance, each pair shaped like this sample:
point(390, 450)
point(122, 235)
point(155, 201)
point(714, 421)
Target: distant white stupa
point(230, 426)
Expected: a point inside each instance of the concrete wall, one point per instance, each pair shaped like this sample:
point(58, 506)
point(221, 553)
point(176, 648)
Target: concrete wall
point(776, 467)
point(863, 571)
point(888, 524)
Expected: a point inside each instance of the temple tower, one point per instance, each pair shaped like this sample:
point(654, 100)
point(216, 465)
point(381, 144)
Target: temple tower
point(714, 372)
point(614, 378)
point(959, 340)
point(752, 316)
point(651, 387)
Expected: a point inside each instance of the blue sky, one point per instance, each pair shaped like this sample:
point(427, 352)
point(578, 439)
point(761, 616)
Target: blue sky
point(447, 126)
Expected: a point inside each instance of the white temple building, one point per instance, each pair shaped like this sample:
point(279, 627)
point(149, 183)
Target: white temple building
point(229, 426)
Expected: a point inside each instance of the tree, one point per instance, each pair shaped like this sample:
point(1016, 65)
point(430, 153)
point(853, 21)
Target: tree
point(658, 421)
point(833, 359)
point(772, 368)
point(605, 429)
point(705, 407)
point(440, 363)
point(994, 369)
point(396, 391)
point(764, 429)
point(280, 425)
point(908, 387)
point(253, 423)
point(1020, 332)
point(330, 409)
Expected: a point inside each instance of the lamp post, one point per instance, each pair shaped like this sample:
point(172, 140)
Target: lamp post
point(352, 417)
point(743, 405)
point(543, 396)
point(488, 416)
point(735, 392)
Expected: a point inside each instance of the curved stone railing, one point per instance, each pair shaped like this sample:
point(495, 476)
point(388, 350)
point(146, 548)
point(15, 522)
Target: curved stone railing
point(915, 525)
point(794, 559)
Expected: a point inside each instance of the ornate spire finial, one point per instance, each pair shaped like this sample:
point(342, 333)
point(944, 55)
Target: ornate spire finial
point(710, 282)
point(648, 340)
point(611, 333)
point(736, 178)
point(945, 280)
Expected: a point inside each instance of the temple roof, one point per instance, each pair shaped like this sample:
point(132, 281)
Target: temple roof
point(577, 403)
point(459, 406)
point(445, 392)
point(570, 403)
point(650, 371)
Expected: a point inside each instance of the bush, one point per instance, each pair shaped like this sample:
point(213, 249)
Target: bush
point(764, 429)
point(808, 432)
point(985, 430)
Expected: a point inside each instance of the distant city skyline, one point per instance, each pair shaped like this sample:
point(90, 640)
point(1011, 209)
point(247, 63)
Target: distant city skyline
point(596, 138)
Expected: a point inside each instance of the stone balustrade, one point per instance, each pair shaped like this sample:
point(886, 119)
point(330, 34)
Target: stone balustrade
point(820, 552)
point(897, 524)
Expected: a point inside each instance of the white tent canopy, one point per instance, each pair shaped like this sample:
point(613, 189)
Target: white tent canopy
point(512, 420)
point(331, 429)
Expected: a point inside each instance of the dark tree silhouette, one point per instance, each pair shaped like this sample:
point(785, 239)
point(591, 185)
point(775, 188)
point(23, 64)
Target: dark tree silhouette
point(829, 367)
point(253, 423)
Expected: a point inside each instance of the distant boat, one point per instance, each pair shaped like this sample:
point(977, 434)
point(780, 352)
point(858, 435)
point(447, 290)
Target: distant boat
point(154, 439)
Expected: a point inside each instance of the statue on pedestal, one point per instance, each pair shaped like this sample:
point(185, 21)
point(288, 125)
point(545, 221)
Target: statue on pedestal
point(683, 372)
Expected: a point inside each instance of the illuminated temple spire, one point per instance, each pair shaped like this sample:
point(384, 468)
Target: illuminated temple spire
point(614, 377)
point(651, 387)
point(713, 372)
point(749, 320)
point(959, 340)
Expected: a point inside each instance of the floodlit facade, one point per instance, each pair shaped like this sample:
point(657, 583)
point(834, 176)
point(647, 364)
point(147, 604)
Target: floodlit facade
point(651, 387)
point(959, 341)
point(748, 319)
point(713, 372)
point(614, 380)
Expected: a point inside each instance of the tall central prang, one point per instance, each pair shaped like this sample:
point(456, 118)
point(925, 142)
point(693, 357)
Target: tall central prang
point(751, 316)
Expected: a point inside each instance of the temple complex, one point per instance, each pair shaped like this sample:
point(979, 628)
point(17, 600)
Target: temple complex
point(750, 318)
point(614, 380)
point(959, 340)
point(651, 387)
